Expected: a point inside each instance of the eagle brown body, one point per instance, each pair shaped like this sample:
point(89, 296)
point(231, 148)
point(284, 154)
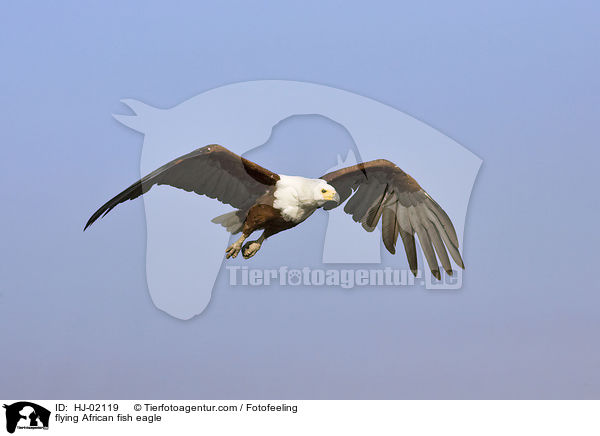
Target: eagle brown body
point(261, 216)
point(264, 216)
point(264, 200)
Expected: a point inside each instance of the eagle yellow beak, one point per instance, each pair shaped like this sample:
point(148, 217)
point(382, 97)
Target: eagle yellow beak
point(331, 196)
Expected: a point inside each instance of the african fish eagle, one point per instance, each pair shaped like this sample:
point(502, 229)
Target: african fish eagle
point(274, 202)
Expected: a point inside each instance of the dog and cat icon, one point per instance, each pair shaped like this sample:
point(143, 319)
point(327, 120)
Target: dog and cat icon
point(26, 415)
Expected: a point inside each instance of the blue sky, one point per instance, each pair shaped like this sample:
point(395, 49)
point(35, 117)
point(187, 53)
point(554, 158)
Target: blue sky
point(516, 83)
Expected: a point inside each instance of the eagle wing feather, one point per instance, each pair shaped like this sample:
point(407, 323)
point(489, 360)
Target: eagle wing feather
point(380, 190)
point(213, 171)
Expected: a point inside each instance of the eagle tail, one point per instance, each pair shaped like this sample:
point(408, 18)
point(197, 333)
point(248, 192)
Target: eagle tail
point(232, 221)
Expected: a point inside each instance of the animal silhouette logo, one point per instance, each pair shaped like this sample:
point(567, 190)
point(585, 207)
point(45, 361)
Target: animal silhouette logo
point(26, 415)
point(243, 116)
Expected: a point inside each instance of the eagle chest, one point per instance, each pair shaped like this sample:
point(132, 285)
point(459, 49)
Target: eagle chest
point(265, 216)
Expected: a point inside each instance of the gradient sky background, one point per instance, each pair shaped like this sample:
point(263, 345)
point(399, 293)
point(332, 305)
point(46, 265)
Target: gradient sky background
point(517, 84)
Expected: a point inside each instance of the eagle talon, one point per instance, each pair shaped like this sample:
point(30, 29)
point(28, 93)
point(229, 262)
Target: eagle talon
point(250, 249)
point(233, 250)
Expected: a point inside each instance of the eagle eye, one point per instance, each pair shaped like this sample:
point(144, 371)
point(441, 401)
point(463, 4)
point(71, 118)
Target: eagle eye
point(323, 191)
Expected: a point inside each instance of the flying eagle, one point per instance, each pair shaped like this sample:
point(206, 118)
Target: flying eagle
point(274, 202)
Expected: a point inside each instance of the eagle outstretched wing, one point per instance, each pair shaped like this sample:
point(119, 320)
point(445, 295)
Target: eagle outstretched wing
point(213, 171)
point(383, 191)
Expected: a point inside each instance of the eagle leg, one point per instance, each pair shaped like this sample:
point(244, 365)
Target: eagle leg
point(251, 247)
point(234, 249)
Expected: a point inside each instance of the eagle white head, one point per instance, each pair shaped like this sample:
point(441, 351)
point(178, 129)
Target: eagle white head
point(298, 197)
point(324, 192)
